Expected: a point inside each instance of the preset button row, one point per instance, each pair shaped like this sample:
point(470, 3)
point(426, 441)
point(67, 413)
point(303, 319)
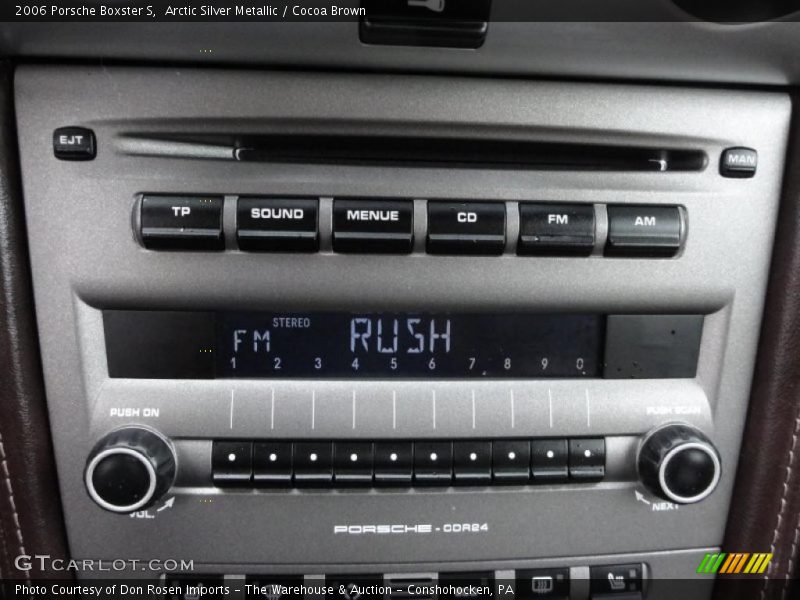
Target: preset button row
point(280, 464)
point(271, 224)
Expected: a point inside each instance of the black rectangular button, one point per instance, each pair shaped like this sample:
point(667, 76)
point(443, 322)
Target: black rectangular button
point(354, 587)
point(313, 463)
point(511, 461)
point(472, 462)
point(587, 459)
point(74, 143)
point(549, 584)
point(231, 463)
point(647, 231)
point(466, 228)
point(266, 587)
point(394, 462)
point(471, 585)
point(277, 224)
point(352, 462)
point(425, 22)
point(373, 226)
point(616, 579)
point(272, 463)
point(556, 229)
point(738, 162)
point(549, 461)
point(193, 587)
point(182, 222)
point(433, 462)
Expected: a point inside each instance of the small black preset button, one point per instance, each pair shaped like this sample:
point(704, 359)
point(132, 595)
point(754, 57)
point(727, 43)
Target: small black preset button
point(511, 460)
point(232, 463)
point(556, 229)
point(74, 143)
point(379, 226)
point(740, 163)
point(616, 579)
point(549, 461)
point(433, 462)
point(472, 462)
point(587, 459)
point(277, 224)
point(550, 584)
point(352, 462)
point(272, 463)
point(649, 231)
point(313, 463)
point(394, 462)
point(182, 222)
point(466, 228)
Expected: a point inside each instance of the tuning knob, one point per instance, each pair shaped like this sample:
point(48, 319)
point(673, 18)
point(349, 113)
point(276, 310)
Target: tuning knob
point(679, 463)
point(129, 469)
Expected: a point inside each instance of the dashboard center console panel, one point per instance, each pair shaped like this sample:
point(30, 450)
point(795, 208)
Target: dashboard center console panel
point(309, 325)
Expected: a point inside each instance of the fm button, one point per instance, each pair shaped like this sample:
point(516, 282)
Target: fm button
point(373, 226)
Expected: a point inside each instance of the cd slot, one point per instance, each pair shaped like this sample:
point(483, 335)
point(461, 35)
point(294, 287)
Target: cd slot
point(393, 150)
point(467, 153)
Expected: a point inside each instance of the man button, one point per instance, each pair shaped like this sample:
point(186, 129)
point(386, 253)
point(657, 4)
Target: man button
point(74, 143)
point(740, 163)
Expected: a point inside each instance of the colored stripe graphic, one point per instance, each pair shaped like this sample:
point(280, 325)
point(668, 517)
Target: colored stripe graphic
point(735, 563)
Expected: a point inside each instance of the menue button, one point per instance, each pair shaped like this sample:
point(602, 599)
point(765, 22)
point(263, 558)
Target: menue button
point(379, 226)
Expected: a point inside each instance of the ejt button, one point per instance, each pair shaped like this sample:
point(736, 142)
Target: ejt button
point(182, 222)
point(74, 143)
point(556, 229)
point(652, 231)
point(277, 224)
point(466, 228)
point(381, 226)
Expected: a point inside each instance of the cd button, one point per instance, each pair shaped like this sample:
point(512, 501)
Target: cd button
point(313, 463)
point(277, 224)
point(511, 461)
point(649, 231)
point(433, 462)
point(472, 462)
point(182, 222)
point(466, 228)
point(272, 463)
point(549, 461)
point(352, 462)
point(587, 459)
point(394, 462)
point(232, 463)
point(556, 229)
point(381, 226)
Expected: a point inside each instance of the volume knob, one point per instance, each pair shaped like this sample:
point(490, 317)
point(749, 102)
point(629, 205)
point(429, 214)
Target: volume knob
point(679, 463)
point(129, 469)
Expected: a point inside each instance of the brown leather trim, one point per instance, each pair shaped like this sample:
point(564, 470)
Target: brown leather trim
point(31, 520)
point(765, 510)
